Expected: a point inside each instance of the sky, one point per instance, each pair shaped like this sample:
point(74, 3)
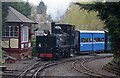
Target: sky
point(55, 8)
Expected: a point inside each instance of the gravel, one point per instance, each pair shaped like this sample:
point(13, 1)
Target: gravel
point(18, 67)
point(64, 69)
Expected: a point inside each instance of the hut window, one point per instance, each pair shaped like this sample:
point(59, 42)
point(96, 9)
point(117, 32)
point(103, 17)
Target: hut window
point(11, 31)
point(24, 34)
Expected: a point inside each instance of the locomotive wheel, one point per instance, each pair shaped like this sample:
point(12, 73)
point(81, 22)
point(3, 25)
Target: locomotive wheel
point(58, 56)
point(72, 53)
point(67, 53)
point(76, 52)
point(64, 54)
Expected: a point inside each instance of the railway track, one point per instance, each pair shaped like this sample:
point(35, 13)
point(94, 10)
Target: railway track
point(35, 70)
point(23, 74)
point(38, 67)
point(85, 70)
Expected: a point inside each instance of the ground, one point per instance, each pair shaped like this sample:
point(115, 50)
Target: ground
point(63, 69)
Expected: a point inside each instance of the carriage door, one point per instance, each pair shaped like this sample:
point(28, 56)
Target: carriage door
point(98, 41)
point(85, 42)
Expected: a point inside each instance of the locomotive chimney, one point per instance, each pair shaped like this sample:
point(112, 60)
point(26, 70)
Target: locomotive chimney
point(53, 27)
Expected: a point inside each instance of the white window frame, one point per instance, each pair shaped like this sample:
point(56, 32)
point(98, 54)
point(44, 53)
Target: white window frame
point(13, 31)
point(24, 34)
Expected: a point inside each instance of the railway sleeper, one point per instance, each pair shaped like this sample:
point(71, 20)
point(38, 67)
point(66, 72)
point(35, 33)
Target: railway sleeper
point(112, 68)
point(112, 71)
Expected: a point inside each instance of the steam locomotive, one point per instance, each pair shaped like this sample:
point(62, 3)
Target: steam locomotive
point(64, 40)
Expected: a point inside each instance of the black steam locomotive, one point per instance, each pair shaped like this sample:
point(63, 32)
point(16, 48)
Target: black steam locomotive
point(58, 44)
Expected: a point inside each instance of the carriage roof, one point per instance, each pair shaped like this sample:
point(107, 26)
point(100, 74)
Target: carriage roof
point(88, 31)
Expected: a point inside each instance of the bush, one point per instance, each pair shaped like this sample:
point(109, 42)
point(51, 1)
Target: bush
point(34, 52)
point(2, 53)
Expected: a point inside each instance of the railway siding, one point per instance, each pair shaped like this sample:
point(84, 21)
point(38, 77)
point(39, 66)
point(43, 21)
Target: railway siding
point(97, 66)
point(93, 67)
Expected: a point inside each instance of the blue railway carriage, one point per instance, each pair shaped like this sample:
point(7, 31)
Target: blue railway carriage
point(90, 41)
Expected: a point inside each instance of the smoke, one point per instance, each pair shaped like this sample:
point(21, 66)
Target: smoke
point(56, 8)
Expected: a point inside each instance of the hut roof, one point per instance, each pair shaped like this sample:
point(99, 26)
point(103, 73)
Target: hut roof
point(16, 17)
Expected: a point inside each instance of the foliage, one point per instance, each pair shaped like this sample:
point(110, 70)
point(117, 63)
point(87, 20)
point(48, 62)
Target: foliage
point(22, 7)
point(116, 60)
point(82, 19)
point(34, 52)
point(109, 12)
point(41, 9)
point(1, 53)
point(45, 26)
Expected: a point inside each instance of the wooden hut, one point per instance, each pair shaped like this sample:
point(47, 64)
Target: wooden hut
point(17, 36)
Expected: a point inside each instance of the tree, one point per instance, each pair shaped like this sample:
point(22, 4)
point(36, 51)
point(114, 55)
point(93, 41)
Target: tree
point(27, 9)
point(82, 19)
point(22, 7)
point(109, 12)
point(41, 9)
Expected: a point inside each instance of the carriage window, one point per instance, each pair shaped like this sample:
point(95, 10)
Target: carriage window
point(11, 31)
point(86, 40)
point(82, 40)
point(102, 39)
point(94, 40)
point(91, 40)
point(98, 40)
